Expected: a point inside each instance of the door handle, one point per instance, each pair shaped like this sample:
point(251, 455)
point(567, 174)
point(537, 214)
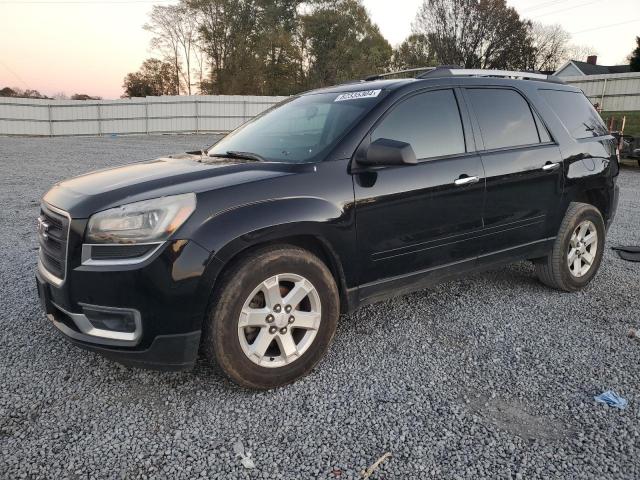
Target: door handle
point(547, 167)
point(466, 181)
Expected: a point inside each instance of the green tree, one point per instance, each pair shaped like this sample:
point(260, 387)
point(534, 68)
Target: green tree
point(279, 46)
point(18, 93)
point(414, 52)
point(252, 46)
point(84, 96)
point(634, 58)
point(154, 78)
point(342, 43)
point(228, 34)
point(7, 92)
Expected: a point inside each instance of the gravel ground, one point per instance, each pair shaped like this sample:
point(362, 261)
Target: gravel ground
point(492, 376)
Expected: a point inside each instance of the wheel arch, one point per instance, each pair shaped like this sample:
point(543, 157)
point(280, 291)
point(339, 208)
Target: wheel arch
point(597, 197)
point(310, 223)
point(314, 244)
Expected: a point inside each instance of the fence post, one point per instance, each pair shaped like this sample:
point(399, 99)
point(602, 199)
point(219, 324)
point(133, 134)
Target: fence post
point(244, 111)
point(146, 115)
point(50, 120)
point(99, 120)
point(197, 115)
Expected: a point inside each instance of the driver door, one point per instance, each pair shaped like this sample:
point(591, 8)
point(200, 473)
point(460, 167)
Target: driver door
point(422, 220)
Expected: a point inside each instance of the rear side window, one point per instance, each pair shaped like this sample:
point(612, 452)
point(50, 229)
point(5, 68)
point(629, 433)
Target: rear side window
point(576, 112)
point(429, 121)
point(504, 116)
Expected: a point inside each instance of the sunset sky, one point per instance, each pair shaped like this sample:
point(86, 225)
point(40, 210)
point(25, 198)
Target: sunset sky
point(87, 46)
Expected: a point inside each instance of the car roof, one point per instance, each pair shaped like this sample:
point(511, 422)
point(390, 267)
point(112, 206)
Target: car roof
point(444, 79)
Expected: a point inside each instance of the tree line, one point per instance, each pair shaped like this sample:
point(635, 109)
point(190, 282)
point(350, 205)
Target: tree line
point(28, 93)
point(259, 47)
point(282, 47)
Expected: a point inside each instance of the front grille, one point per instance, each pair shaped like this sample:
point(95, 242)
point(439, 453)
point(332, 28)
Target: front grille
point(53, 234)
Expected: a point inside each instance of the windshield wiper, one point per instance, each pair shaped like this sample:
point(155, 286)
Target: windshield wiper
point(240, 155)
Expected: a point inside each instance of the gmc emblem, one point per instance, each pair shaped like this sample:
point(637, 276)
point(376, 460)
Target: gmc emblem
point(43, 228)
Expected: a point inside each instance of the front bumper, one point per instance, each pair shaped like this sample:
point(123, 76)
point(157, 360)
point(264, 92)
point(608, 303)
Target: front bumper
point(164, 299)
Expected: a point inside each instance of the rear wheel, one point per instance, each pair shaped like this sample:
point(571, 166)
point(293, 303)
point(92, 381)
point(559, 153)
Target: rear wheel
point(273, 317)
point(577, 250)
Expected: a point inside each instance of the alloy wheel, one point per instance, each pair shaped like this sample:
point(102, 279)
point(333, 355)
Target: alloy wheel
point(279, 320)
point(583, 246)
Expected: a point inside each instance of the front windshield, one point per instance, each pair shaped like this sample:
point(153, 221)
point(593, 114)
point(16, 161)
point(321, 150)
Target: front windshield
point(302, 129)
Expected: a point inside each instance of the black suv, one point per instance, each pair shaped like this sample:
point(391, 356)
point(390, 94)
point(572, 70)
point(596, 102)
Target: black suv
point(338, 197)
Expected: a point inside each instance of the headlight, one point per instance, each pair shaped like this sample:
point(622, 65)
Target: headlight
point(147, 221)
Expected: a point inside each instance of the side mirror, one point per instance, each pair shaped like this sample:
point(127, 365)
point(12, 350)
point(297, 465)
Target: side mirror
point(385, 151)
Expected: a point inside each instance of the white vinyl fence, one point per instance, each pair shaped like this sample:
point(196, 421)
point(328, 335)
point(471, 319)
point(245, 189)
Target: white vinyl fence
point(614, 92)
point(150, 115)
point(193, 114)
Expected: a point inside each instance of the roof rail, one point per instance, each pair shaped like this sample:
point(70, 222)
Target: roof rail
point(454, 70)
point(378, 76)
point(477, 72)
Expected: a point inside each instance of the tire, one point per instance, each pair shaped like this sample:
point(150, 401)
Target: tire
point(554, 270)
point(248, 289)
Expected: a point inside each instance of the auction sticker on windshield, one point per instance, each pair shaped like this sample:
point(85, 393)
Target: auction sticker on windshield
point(355, 95)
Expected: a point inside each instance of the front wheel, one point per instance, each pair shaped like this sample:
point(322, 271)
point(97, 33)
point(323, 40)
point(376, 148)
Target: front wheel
point(577, 250)
point(273, 317)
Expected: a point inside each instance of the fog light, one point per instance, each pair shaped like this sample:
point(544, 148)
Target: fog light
point(113, 320)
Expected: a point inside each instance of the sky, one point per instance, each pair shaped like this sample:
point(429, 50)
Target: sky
point(88, 46)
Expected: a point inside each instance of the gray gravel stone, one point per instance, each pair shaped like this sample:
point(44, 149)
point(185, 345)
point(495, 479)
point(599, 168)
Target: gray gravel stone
point(490, 376)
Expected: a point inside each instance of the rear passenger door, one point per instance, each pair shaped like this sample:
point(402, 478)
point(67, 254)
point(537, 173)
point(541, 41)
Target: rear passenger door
point(523, 171)
point(415, 219)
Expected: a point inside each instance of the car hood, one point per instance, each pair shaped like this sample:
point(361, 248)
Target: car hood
point(84, 195)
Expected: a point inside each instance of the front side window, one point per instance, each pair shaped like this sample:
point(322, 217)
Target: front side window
point(576, 113)
point(429, 122)
point(504, 116)
point(302, 129)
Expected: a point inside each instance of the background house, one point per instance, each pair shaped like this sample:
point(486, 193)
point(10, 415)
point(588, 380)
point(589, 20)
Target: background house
point(575, 68)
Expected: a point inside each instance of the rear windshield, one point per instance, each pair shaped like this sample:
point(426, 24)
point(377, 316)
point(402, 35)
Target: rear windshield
point(576, 112)
point(302, 129)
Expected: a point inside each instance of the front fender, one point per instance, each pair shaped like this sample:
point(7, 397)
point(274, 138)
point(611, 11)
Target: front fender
point(235, 229)
point(232, 231)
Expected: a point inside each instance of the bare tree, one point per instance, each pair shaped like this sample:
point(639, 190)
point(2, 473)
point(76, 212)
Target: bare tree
point(474, 33)
point(200, 56)
point(186, 29)
point(162, 20)
point(175, 30)
point(550, 46)
point(579, 52)
point(215, 20)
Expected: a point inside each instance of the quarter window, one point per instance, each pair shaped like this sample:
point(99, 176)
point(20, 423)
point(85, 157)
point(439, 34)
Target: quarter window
point(504, 116)
point(576, 112)
point(429, 121)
